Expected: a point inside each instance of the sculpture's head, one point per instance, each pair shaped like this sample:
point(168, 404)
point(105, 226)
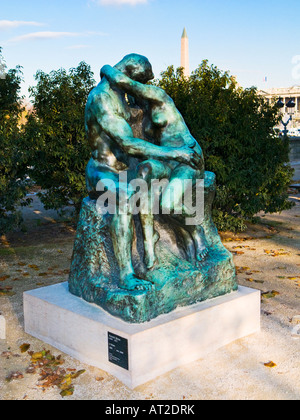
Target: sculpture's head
point(137, 67)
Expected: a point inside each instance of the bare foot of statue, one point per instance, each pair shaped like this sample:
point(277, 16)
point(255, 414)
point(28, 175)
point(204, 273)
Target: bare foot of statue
point(150, 257)
point(131, 282)
point(201, 246)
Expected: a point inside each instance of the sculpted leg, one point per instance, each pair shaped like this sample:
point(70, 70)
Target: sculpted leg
point(173, 202)
point(121, 227)
point(122, 236)
point(148, 171)
point(200, 243)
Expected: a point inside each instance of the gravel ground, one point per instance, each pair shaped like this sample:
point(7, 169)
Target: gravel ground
point(267, 258)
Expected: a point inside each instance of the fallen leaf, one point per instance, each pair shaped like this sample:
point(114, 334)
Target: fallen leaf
point(14, 375)
point(3, 278)
point(52, 374)
point(6, 291)
point(66, 382)
point(276, 253)
point(6, 354)
point(34, 267)
point(242, 269)
point(30, 370)
point(77, 374)
point(270, 365)
point(67, 392)
point(255, 281)
point(270, 295)
point(36, 356)
point(295, 320)
point(24, 347)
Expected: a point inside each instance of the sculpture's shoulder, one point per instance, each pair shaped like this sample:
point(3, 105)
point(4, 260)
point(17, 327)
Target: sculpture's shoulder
point(156, 94)
point(98, 95)
point(98, 99)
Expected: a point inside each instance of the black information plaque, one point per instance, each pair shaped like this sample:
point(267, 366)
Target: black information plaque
point(118, 351)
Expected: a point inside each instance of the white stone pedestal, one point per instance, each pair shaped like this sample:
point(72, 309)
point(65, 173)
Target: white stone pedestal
point(136, 354)
point(2, 328)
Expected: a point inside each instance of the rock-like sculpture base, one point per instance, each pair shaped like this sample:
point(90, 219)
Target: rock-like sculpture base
point(176, 281)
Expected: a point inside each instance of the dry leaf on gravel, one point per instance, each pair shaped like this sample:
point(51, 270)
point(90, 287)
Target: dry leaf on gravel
point(24, 347)
point(52, 373)
point(14, 375)
point(6, 291)
point(270, 365)
point(270, 295)
point(34, 267)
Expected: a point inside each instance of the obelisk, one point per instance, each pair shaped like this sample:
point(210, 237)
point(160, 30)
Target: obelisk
point(185, 63)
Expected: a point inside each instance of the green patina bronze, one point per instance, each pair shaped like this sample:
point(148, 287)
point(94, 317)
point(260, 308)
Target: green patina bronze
point(138, 267)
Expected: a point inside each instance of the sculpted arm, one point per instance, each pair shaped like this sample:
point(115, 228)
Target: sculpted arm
point(136, 89)
point(119, 130)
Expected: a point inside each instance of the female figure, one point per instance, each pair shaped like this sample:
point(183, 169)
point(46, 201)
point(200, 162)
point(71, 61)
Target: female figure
point(165, 126)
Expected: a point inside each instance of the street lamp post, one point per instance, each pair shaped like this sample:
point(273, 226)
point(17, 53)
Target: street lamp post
point(291, 110)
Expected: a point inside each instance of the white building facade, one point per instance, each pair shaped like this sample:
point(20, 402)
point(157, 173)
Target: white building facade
point(286, 94)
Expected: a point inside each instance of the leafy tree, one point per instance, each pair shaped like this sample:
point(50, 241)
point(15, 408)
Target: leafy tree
point(235, 128)
point(13, 166)
point(55, 135)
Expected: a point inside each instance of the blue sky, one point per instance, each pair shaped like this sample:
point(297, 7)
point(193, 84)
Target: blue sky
point(252, 39)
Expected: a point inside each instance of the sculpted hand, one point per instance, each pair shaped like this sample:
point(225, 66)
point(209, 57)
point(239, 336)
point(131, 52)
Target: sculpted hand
point(188, 156)
point(111, 74)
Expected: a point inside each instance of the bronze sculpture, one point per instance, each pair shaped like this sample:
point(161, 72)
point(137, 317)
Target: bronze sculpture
point(138, 285)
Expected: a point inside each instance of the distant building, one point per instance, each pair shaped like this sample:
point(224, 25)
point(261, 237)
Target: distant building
point(185, 60)
point(286, 94)
point(28, 109)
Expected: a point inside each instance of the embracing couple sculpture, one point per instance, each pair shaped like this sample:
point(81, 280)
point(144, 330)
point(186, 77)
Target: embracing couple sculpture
point(171, 153)
point(191, 265)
